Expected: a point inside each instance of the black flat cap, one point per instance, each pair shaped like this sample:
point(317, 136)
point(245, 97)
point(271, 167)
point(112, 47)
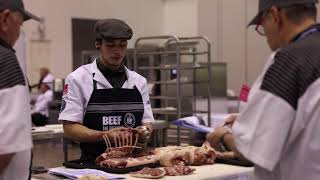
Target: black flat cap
point(267, 4)
point(112, 29)
point(17, 5)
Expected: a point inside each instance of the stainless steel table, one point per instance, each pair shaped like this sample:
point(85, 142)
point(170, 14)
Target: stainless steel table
point(51, 132)
point(215, 172)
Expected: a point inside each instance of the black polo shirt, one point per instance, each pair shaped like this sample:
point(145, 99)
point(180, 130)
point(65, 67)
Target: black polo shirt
point(116, 78)
point(16, 112)
point(10, 70)
point(296, 67)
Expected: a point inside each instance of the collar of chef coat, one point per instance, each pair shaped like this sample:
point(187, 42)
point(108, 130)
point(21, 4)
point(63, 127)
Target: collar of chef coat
point(128, 84)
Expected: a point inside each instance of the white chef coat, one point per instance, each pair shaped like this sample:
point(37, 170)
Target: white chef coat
point(42, 103)
point(15, 131)
point(282, 142)
point(15, 121)
point(79, 86)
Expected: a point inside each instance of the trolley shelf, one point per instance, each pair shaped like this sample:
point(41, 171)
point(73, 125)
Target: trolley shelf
point(144, 53)
point(174, 82)
point(195, 53)
point(165, 56)
point(174, 112)
point(175, 98)
point(169, 67)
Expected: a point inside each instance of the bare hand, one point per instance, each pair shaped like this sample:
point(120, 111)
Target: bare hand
point(214, 137)
point(144, 135)
point(230, 120)
point(122, 135)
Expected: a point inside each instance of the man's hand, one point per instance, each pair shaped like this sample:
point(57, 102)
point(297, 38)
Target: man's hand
point(230, 120)
point(121, 135)
point(215, 137)
point(144, 135)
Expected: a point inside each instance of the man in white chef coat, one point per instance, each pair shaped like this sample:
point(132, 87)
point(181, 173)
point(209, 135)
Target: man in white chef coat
point(278, 130)
point(15, 120)
point(105, 95)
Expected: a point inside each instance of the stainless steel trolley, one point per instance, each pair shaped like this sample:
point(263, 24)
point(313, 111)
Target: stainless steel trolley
point(173, 64)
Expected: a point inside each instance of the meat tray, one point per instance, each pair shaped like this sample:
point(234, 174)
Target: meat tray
point(234, 161)
point(82, 164)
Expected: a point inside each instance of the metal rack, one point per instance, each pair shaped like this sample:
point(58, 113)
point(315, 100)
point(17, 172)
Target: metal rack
point(170, 52)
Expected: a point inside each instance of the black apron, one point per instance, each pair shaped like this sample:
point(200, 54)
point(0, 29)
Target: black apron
point(108, 109)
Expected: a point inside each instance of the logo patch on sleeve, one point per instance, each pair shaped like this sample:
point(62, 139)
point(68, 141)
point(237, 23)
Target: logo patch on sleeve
point(244, 93)
point(65, 89)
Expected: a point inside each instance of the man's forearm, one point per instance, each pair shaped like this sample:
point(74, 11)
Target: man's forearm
point(80, 133)
point(4, 161)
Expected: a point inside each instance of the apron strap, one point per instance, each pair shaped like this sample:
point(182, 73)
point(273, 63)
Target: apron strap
point(94, 82)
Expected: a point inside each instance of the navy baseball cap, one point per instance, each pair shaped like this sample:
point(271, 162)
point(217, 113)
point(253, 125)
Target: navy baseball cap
point(112, 29)
point(17, 5)
point(267, 4)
